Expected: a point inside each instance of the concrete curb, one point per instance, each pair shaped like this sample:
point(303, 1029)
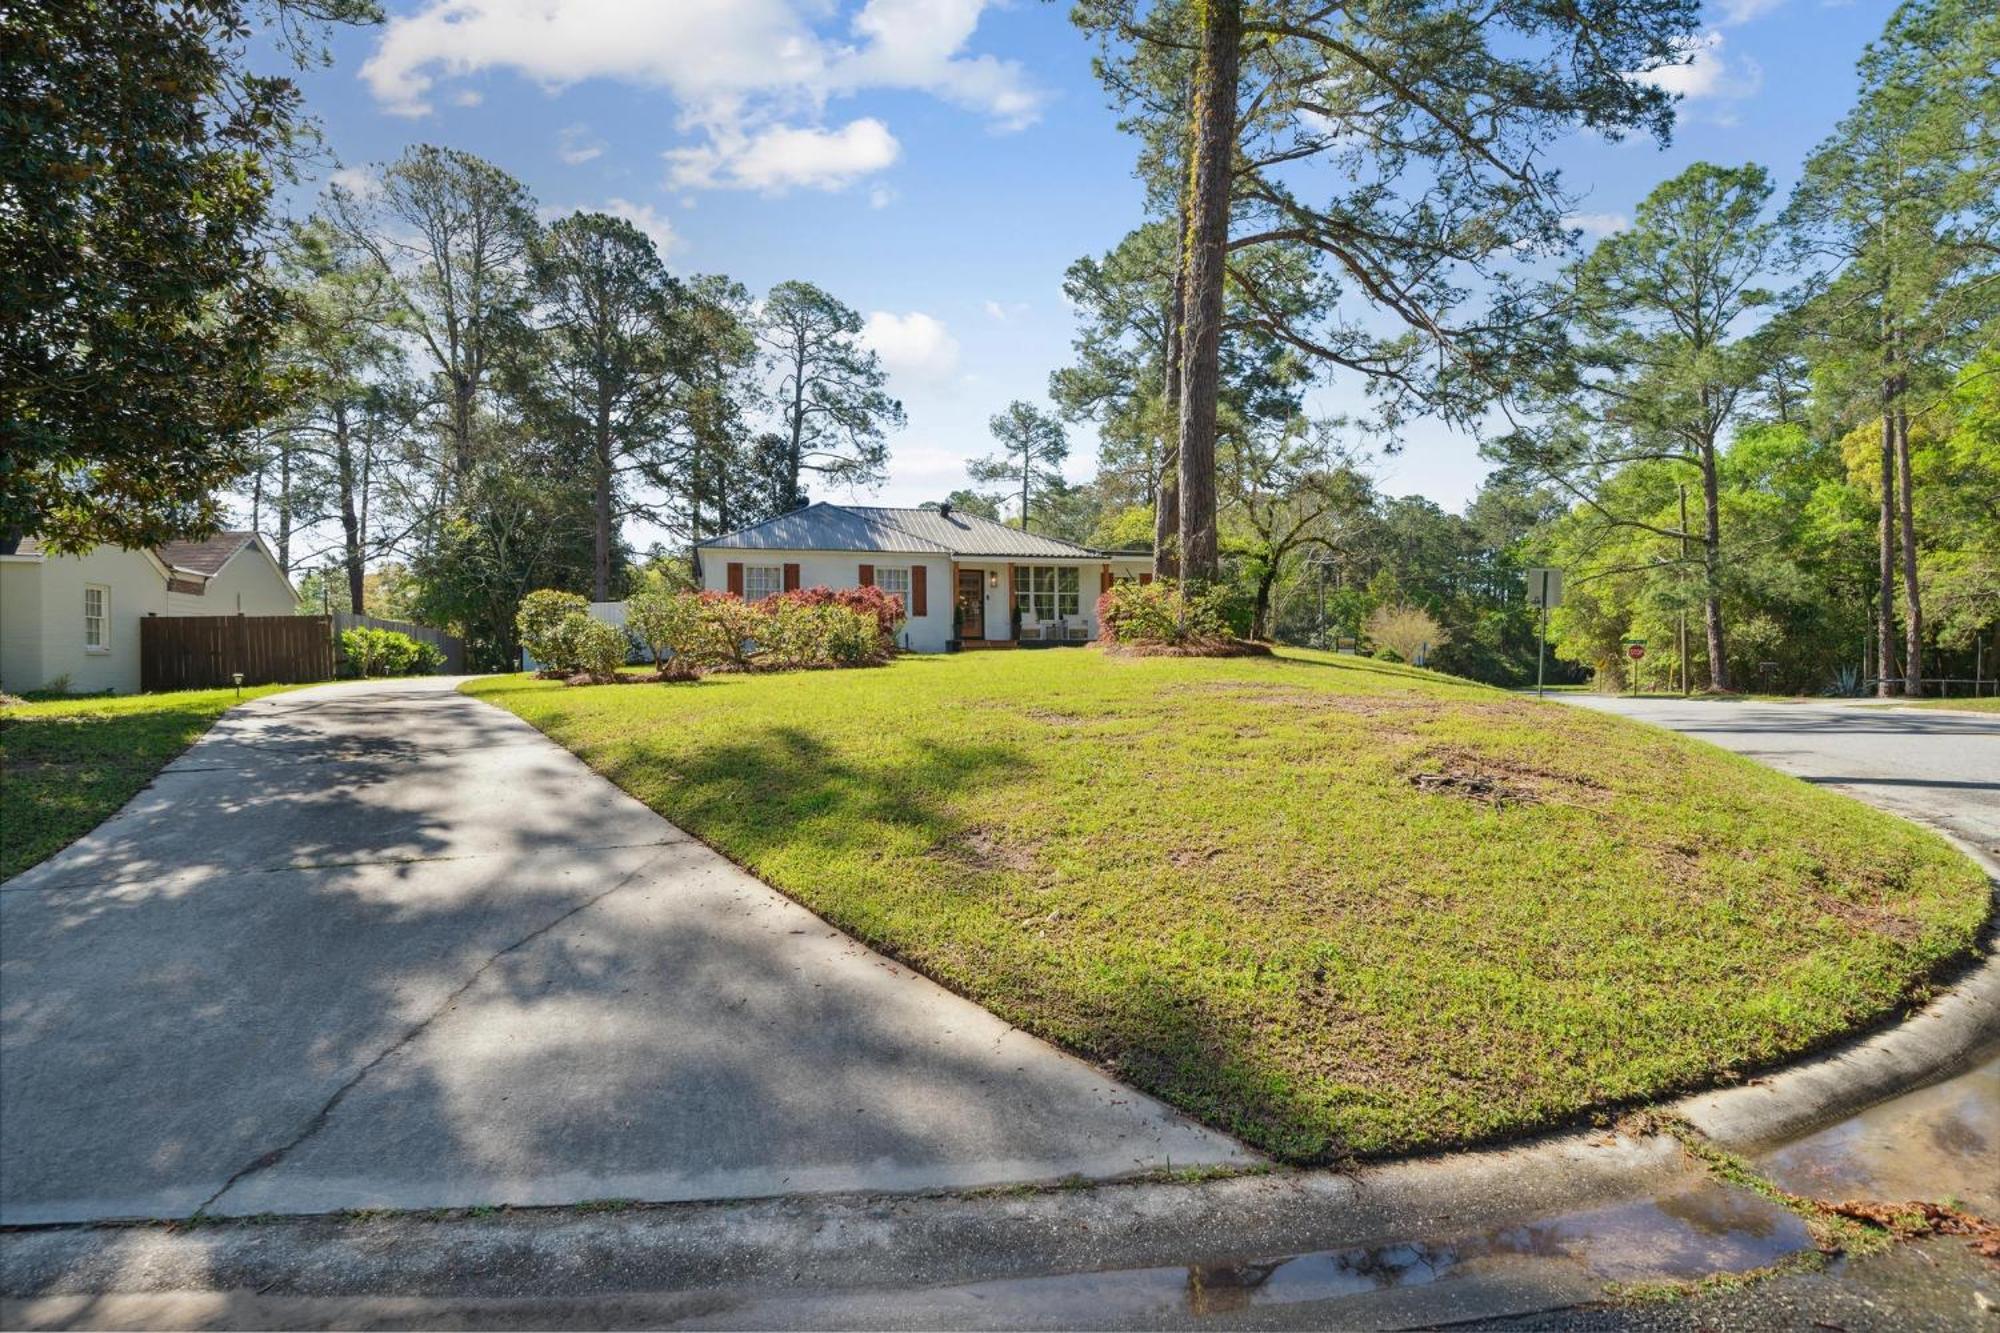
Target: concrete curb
point(1948, 1036)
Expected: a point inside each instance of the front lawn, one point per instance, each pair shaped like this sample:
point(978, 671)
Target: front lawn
point(66, 765)
point(1327, 904)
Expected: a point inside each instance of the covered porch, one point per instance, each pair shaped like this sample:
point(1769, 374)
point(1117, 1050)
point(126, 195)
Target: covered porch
point(1034, 604)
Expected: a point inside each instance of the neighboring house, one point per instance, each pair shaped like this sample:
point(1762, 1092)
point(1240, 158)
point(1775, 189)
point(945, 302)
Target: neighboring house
point(961, 577)
point(76, 618)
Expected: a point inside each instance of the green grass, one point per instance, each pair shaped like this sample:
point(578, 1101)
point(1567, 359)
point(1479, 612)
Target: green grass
point(66, 765)
point(1334, 906)
point(1984, 705)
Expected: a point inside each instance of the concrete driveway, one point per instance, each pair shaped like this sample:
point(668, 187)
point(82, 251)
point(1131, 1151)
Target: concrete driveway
point(1936, 767)
point(382, 945)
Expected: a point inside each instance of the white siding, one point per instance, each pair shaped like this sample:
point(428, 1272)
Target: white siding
point(249, 584)
point(21, 623)
point(134, 586)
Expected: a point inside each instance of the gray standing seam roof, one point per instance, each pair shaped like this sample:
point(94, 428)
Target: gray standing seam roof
point(829, 527)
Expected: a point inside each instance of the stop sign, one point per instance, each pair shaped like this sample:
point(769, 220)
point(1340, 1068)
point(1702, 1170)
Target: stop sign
point(1635, 651)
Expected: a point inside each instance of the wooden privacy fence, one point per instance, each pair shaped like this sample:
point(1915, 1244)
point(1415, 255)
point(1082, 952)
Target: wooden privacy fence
point(202, 652)
point(450, 645)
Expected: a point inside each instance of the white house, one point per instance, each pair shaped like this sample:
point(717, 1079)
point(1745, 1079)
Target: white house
point(961, 577)
point(76, 618)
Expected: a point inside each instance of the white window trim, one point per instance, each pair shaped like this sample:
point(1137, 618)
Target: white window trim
point(777, 580)
point(103, 618)
point(1025, 593)
point(909, 581)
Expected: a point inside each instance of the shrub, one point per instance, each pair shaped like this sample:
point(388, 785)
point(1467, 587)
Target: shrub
point(726, 632)
point(885, 608)
point(539, 621)
point(594, 650)
point(667, 622)
point(386, 652)
point(1163, 614)
point(1407, 631)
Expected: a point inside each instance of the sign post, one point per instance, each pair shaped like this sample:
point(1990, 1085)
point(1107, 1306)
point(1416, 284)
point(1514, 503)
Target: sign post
point(1635, 649)
point(1545, 589)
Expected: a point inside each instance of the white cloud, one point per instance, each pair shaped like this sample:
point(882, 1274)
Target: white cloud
point(1706, 71)
point(784, 157)
point(1004, 311)
point(747, 74)
point(1743, 11)
point(1598, 224)
point(576, 145)
point(357, 181)
point(647, 219)
point(467, 97)
point(881, 196)
point(914, 346)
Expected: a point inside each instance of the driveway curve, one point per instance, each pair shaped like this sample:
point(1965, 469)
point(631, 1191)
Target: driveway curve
point(380, 945)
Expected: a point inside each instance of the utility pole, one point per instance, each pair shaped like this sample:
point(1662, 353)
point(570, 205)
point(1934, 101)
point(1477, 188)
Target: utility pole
point(1686, 687)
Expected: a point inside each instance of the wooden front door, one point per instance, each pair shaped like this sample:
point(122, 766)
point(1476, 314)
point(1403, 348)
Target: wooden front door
point(971, 604)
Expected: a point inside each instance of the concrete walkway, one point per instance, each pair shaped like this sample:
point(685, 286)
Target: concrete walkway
point(381, 945)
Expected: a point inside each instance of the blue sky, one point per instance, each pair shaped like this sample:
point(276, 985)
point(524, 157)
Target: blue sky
point(936, 163)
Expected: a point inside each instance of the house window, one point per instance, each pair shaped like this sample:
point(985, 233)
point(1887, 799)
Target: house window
point(895, 581)
point(761, 581)
point(1048, 592)
point(96, 607)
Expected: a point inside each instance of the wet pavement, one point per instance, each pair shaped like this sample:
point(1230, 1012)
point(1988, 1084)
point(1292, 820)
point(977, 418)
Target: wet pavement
point(1940, 1143)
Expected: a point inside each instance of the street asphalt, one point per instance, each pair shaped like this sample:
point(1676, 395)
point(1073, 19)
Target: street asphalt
point(380, 945)
point(1937, 767)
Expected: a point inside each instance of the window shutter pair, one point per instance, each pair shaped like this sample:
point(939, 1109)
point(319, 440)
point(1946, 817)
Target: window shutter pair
point(791, 578)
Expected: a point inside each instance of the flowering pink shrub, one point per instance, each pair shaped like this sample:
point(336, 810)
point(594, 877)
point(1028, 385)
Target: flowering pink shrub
point(1161, 614)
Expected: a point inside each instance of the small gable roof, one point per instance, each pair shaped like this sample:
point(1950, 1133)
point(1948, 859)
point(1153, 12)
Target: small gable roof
point(821, 526)
point(207, 556)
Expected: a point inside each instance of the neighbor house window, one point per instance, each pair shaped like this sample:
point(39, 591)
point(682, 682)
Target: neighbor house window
point(761, 581)
point(895, 581)
point(96, 607)
point(1048, 592)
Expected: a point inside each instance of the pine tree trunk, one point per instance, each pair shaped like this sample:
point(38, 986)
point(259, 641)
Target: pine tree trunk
point(285, 511)
point(1885, 603)
point(1711, 561)
point(350, 517)
point(1212, 153)
point(600, 558)
point(1913, 605)
point(1167, 500)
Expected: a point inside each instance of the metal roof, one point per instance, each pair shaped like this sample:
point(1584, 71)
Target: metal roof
point(829, 527)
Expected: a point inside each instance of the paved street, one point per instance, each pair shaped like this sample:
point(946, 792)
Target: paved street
point(1937, 767)
point(381, 945)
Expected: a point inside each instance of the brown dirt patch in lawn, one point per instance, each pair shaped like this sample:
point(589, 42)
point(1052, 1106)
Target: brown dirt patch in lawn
point(1869, 920)
point(1497, 782)
point(981, 850)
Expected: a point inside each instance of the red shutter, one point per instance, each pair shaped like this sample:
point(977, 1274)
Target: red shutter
point(736, 577)
point(868, 576)
point(1104, 580)
point(791, 578)
point(919, 590)
point(1145, 578)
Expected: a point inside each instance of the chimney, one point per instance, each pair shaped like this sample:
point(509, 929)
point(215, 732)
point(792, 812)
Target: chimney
point(944, 509)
